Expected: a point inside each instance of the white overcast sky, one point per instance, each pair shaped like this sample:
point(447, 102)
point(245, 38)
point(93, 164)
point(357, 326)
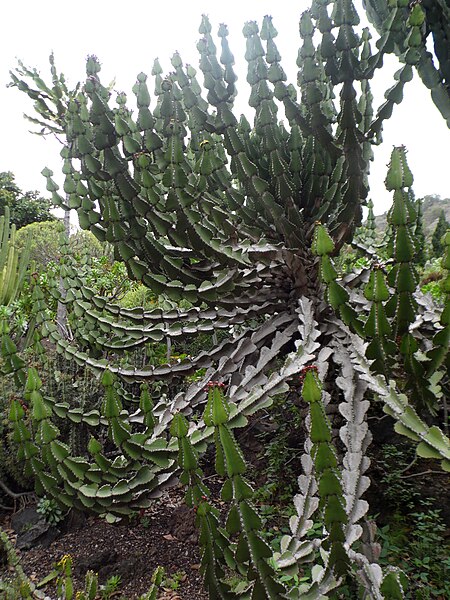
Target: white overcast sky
point(128, 35)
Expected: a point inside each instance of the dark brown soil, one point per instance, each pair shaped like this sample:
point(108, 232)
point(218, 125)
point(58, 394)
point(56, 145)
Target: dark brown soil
point(164, 536)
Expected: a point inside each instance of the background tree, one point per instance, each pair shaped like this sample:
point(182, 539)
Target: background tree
point(25, 208)
point(50, 104)
point(45, 243)
point(436, 239)
point(419, 235)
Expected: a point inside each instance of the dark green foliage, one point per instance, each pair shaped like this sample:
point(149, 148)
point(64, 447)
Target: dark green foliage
point(395, 460)
point(419, 236)
point(25, 208)
point(417, 543)
point(436, 240)
point(413, 530)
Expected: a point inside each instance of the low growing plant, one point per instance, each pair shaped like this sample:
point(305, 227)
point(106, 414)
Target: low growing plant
point(50, 510)
point(173, 582)
point(110, 587)
point(401, 494)
point(416, 542)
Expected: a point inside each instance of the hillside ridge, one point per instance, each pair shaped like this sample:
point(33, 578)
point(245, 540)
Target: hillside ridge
point(431, 207)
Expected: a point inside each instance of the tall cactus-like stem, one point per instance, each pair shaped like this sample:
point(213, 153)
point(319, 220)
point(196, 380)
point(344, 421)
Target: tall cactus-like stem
point(13, 264)
point(252, 553)
point(13, 267)
point(406, 30)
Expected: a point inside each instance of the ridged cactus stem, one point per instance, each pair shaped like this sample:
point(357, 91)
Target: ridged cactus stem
point(13, 265)
point(27, 587)
point(44, 451)
point(212, 538)
point(21, 435)
point(64, 583)
point(381, 348)
point(330, 489)
point(336, 295)
point(157, 579)
point(252, 553)
point(402, 307)
point(119, 431)
point(370, 227)
point(11, 361)
point(403, 277)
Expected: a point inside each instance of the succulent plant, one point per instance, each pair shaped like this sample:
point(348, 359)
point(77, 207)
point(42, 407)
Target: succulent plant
point(13, 264)
point(244, 222)
point(407, 29)
point(13, 268)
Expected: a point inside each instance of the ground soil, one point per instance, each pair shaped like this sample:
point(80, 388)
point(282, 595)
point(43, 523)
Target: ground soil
point(164, 536)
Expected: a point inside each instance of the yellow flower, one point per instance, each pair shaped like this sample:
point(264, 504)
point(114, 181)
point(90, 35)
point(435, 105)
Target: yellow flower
point(62, 563)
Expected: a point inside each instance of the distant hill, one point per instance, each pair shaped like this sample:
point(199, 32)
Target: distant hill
point(431, 207)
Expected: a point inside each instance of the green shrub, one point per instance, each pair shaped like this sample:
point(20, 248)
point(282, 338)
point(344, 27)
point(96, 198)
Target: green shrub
point(432, 280)
point(45, 242)
point(417, 544)
point(138, 295)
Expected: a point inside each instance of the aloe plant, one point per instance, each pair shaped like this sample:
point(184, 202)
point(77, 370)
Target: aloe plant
point(244, 222)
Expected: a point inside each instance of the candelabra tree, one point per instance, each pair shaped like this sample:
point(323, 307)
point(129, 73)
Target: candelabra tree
point(242, 221)
point(408, 32)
